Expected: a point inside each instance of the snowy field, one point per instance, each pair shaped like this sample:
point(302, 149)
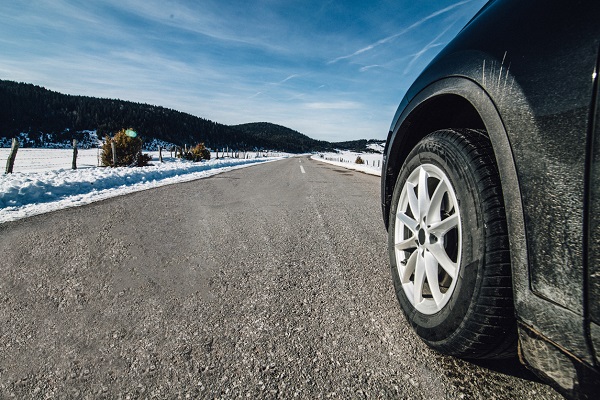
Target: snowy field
point(43, 181)
point(37, 160)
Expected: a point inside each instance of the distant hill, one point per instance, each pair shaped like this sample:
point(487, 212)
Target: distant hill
point(41, 117)
point(272, 136)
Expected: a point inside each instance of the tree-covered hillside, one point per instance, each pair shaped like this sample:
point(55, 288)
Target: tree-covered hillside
point(48, 116)
point(33, 109)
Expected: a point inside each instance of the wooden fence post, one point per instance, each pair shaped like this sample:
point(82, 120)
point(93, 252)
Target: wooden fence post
point(113, 144)
point(74, 163)
point(11, 158)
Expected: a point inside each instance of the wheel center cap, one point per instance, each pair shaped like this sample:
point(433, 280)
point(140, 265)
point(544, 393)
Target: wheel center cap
point(422, 236)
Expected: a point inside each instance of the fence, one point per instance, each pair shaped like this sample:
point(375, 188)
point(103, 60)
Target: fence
point(40, 159)
point(371, 163)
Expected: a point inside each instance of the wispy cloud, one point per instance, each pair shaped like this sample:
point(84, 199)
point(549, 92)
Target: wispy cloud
point(428, 46)
point(402, 32)
point(334, 105)
point(207, 21)
point(269, 87)
point(287, 79)
point(368, 67)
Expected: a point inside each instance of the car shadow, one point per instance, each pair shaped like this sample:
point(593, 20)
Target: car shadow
point(509, 366)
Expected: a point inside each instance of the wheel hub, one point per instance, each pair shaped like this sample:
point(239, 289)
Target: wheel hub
point(422, 237)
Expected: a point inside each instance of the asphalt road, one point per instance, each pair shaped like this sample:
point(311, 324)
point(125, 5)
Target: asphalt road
point(266, 282)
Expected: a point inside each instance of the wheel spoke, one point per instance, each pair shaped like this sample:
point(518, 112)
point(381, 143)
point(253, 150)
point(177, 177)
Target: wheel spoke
point(408, 221)
point(434, 213)
point(438, 251)
point(407, 244)
point(431, 269)
point(439, 229)
point(409, 268)
point(423, 193)
point(419, 279)
point(413, 202)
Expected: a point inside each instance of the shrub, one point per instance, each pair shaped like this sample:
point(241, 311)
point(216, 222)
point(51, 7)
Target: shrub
point(359, 160)
point(129, 151)
point(197, 153)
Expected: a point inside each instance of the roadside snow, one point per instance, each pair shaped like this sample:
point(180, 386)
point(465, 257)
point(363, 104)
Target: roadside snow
point(378, 147)
point(44, 182)
point(347, 159)
point(26, 194)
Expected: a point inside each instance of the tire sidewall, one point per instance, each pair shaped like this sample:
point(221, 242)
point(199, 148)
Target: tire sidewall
point(440, 327)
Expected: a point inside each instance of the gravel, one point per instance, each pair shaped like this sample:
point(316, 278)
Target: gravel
point(264, 282)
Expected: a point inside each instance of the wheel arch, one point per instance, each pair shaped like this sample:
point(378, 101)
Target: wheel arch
point(439, 111)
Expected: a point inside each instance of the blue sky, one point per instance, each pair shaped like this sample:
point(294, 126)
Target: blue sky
point(333, 70)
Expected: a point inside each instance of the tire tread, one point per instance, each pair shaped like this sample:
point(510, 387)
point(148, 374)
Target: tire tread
point(493, 331)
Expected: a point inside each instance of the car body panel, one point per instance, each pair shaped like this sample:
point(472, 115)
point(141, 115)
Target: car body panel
point(532, 88)
point(593, 260)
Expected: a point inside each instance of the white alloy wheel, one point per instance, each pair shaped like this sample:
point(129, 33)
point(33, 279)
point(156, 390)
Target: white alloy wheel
point(428, 239)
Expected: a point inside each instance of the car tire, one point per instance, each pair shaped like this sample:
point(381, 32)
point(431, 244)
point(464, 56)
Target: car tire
point(448, 246)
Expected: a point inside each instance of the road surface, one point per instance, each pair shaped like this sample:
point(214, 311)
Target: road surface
point(266, 282)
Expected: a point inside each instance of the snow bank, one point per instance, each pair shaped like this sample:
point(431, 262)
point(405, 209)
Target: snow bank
point(26, 194)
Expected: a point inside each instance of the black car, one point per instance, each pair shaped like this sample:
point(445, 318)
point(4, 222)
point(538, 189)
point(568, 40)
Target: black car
point(491, 192)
